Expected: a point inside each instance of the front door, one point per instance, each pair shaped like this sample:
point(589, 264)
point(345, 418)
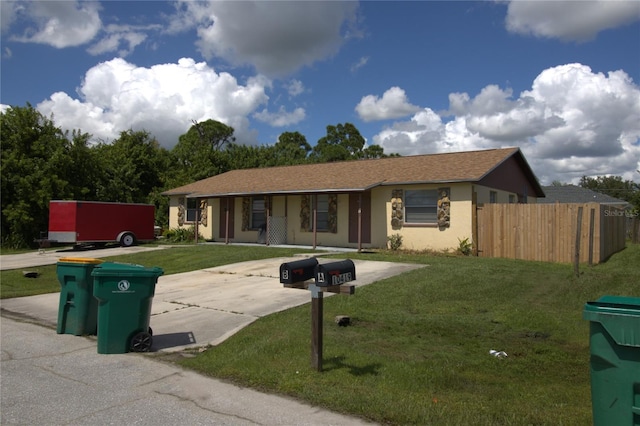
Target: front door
point(226, 216)
point(360, 200)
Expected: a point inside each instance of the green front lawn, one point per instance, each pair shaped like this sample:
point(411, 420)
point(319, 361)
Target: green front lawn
point(418, 349)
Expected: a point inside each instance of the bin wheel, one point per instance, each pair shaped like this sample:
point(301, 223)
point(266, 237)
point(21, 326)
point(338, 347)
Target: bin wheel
point(150, 331)
point(141, 342)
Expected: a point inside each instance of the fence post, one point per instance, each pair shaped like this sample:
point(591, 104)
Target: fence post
point(576, 260)
point(591, 228)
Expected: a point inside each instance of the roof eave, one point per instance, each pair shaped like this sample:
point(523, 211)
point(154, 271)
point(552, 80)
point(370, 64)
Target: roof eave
point(292, 192)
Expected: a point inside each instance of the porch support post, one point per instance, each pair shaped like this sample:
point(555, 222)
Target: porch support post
point(268, 212)
point(196, 229)
point(315, 221)
point(226, 223)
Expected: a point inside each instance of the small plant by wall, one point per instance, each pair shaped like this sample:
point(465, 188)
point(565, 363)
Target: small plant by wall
point(465, 247)
point(395, 241)
point(181, 235)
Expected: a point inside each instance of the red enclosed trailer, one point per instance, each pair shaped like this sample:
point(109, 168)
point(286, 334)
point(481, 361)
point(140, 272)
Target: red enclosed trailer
point(91, 222)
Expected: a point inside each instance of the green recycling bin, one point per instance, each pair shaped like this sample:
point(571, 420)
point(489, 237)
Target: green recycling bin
point(124, 293)
point(615, 359)
point(78, 309)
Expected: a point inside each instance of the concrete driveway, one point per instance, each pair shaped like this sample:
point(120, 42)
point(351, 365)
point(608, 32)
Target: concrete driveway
point(206, 307)
point(61, 379)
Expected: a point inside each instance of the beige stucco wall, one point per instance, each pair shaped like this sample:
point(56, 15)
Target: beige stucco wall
point(423, 237)
point(205, 231)
point(414, 237)
point(299, 237)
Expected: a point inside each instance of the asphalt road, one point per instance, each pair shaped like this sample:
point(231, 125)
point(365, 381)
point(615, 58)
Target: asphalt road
point(50, 379)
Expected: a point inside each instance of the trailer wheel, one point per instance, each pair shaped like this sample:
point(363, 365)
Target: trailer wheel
point(127, 240)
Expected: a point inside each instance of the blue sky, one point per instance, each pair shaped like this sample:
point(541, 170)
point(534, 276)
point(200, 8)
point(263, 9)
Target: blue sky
point(559, 79)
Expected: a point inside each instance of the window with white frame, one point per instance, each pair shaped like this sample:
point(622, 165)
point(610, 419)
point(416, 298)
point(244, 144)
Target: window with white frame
point(493, 197)
point(258, 213)
point(421, 206)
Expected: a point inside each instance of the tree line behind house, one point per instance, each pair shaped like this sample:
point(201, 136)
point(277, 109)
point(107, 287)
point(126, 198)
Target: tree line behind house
point(41, 162)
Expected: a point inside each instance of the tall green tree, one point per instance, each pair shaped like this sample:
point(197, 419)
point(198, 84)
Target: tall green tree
point(85, 167)
point(197, 153)
point(237, 156)
point(344, 142)
point(291, 148)
point(133, 167)
point(36, 166)
point(373, 151)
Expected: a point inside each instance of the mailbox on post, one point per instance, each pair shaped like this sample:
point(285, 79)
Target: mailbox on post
point(335, 273)
point(298, 271)
point(330, 278)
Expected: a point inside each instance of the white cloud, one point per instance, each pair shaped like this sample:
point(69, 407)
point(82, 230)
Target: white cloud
point(58, 23)
point(276, 38)
point(295, 88)
point(569, 20)
point(281, 118)
point(393, 104)
point(163, 99)
point(116, 36)
point(361, 63)
point(572, 122)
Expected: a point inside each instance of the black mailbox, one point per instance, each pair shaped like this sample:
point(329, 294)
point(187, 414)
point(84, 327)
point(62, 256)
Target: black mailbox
point(335, 273)
point(298, 271)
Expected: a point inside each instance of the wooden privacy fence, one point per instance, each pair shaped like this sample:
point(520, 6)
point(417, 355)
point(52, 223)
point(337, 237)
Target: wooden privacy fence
point(634, 228)
point(547, 232)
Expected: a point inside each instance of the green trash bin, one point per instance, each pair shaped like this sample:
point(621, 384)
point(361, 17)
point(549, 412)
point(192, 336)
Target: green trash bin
point(615, 359)
point(78, 309)
point(124, 293)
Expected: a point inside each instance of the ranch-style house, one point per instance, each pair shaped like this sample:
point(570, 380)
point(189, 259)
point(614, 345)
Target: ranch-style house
point(429, 200)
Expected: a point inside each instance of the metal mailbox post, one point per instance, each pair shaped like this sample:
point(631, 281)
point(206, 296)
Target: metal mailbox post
point(329, 277)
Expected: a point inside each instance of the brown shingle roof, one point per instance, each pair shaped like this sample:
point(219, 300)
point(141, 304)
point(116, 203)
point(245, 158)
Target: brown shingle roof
point(356, 175)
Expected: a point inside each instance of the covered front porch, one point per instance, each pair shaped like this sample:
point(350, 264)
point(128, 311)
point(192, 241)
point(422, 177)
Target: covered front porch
point(327, 219)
